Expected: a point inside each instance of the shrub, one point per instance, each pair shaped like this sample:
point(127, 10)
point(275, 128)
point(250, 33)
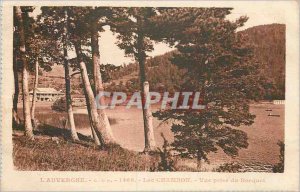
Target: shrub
point(279, 168)
point(60, 105)
point(229, 168)
point(166, 162)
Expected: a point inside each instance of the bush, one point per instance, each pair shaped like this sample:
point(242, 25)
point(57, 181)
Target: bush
point(279, 168)
point(166, 162)
point(60, 105)
point(229, 168)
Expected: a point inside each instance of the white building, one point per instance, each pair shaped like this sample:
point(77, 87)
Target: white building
point(46, 94)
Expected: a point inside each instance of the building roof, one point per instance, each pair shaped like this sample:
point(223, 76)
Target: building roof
point(46, 90)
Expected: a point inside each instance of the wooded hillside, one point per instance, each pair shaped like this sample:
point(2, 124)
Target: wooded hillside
point(268, 43)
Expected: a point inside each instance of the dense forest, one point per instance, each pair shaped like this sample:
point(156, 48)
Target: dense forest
point(269, 49)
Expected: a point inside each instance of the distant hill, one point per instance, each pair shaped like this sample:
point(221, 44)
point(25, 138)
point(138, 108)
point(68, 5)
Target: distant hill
point(269, 50)
point(55, 79)
point(269, 46)
point(268, 42)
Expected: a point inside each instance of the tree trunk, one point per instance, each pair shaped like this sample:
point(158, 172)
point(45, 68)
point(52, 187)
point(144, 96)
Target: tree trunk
point(69, 100)
point(26, 106)
point(36, 78)
point(100, 130)
point(94, 134)
point(16, 119)
point(68, 83)
point(98, 78)
point(148, 125)
point(199, 158)
point(147, 114)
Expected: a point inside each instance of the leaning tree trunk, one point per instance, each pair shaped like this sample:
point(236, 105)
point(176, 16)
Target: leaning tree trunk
point(68, 83)
point(98, 79)
point(26, 106)
point(16, 119)
point(101, 132)
point(147, 115)
point(36, 79)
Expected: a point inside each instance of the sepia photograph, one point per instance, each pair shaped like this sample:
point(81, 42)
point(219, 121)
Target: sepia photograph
point(138, 112)
point(150, 89)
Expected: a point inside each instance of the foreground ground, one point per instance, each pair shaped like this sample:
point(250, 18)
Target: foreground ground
point(128, 129)
point(46, 154)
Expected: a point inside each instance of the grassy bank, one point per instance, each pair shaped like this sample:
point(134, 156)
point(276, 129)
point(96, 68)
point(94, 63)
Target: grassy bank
point(46, 154)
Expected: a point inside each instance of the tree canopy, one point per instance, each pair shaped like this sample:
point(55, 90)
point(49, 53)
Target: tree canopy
point(221, 66)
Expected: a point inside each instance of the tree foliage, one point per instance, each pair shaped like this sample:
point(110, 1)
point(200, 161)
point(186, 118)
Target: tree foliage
point(219, 64)
point(131, 24)
point(38, 46)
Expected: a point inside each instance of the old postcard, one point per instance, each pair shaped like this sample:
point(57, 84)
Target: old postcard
point(150, 96)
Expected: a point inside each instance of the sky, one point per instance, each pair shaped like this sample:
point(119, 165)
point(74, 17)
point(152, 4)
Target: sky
point(110, 53)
